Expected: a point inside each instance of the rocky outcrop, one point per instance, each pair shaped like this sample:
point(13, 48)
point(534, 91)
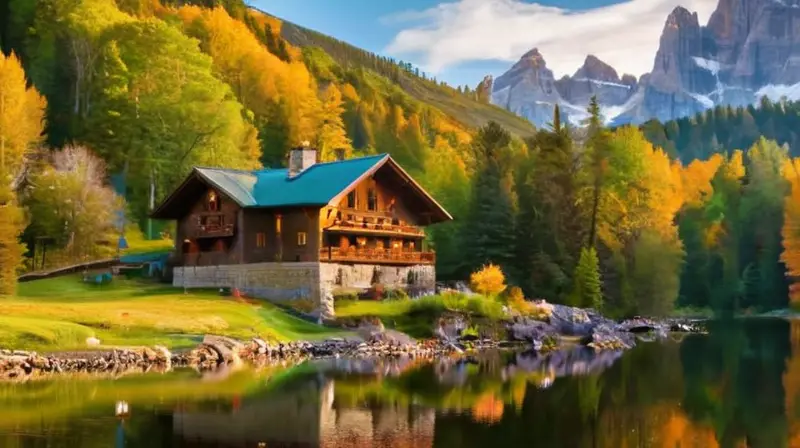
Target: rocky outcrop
point(749, 48)
point(528, 88)
point(596, 78)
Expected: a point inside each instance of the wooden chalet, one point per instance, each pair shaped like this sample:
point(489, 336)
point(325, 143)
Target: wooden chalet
point(363, 210)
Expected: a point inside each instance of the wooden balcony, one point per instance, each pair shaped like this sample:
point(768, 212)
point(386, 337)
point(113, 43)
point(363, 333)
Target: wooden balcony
point(210, 225)
point(376, 256)
point(374, 223)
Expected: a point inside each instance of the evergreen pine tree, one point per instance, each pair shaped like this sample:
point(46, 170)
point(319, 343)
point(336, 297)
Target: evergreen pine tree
point(586, 290)
point(489, 236)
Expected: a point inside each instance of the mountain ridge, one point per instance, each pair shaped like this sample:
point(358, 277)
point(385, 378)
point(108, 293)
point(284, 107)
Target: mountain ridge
point(748, 49)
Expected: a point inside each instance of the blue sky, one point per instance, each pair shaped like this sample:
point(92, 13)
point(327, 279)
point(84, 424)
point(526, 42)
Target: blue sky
point(460, 41)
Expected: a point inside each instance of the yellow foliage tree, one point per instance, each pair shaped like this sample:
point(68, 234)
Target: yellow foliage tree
point(332, 135)
point(791, 229)
point(285, 92)
point(489, 281)
point(21, 124)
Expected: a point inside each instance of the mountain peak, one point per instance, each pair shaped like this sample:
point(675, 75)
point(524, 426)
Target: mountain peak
point(532, 54)
point(680, 17)
point(594, 68)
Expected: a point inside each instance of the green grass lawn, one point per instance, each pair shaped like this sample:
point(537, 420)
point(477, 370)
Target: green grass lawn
point(418, 318)
point(60, 313)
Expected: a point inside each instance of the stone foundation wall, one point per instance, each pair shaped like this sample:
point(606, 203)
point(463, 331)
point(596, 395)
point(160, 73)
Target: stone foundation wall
point(274, 281)
point(418, 277)
point(282, 282)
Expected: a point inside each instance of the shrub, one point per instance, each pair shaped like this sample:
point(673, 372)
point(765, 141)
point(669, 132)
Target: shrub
point(483, 306)
point(471, 331)
point(489, 281)
point(428, 306)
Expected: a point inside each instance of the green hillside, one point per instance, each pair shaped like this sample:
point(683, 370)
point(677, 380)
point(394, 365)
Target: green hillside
point(463, 107)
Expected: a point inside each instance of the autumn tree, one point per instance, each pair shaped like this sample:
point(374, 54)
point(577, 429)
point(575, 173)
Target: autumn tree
point(791, 229)
point(332, 136)
point(153, 122)
point(70, 203)
point(21, 123)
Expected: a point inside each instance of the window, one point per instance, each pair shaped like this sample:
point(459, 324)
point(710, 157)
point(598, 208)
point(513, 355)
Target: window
point(302, 238)
point(351, 199)
point(278, 224)
point(372, 200)
point(212, 221)
point(261, 240)
point(213, 201)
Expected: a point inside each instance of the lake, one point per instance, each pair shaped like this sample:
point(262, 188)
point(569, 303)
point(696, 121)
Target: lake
point(737, 386)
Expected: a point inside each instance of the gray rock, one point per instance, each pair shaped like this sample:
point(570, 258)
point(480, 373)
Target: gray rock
point(571, 321)
point(530, 330)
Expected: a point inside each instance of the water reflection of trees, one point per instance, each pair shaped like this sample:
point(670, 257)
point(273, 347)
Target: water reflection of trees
point(737, 387)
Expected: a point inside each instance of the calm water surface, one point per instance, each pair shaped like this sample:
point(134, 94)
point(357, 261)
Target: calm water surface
point(738, 386)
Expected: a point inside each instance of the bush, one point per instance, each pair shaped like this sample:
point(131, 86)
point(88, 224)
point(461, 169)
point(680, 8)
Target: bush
point(483, 306)
point(489, 281)
point(471, 332)
point(428, 306)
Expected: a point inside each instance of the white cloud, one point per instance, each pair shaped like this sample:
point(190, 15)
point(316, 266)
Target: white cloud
point(625, 35)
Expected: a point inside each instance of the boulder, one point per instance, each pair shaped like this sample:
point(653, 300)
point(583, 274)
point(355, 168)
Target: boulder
point(529, 330)
point(571, 321)
point(370, 327)
point(450, 328)
point(607, 337)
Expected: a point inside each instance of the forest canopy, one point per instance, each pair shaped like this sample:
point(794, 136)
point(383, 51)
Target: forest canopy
point(698, 212)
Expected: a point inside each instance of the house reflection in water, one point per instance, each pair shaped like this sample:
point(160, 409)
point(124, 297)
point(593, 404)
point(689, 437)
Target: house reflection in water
point(305, 418)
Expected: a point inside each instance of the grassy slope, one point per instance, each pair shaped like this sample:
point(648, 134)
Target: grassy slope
point(60, 313)
point(467, 111)
point(418, 318)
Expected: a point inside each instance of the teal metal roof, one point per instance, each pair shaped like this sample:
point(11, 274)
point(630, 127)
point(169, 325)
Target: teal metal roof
point(316, 185)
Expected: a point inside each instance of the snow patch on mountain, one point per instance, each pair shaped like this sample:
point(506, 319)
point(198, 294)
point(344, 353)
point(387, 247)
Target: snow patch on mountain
point(707, 64)
point(776, 92)
point(602, 83)
point(707, 102)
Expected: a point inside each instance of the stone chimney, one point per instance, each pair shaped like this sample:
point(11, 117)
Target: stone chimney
point(301, 158)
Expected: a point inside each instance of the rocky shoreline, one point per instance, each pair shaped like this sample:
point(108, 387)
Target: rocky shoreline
point(565, 327)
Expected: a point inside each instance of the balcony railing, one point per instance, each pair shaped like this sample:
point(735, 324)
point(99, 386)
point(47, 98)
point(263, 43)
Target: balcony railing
point(210, 225)
point(374, 222)
point(381, 256)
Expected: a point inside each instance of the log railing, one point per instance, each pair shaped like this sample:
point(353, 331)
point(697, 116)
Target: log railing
point(374, 223)
point(210, 225)
point(374, 255)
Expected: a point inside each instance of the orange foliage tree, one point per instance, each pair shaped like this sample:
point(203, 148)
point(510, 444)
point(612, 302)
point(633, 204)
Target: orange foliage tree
point(791, 229)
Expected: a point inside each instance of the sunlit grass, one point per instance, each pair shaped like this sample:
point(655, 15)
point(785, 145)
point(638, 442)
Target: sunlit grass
point(60, 313)
point(418, 317)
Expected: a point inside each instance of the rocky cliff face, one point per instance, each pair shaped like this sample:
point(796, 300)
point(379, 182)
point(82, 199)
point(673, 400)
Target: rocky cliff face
point(530, 89)
point(748, 49)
